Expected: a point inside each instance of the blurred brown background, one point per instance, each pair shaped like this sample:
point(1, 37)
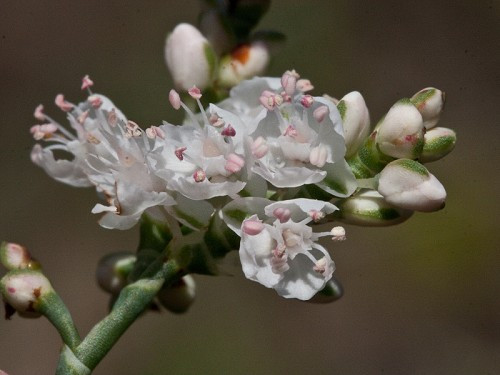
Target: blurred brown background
point(421, 298)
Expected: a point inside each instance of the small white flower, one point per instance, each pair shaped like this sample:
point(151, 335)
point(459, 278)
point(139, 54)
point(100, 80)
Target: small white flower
point(278, 248)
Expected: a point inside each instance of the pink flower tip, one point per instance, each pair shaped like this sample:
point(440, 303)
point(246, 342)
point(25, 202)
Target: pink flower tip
point(252, 227)
point(63, 104)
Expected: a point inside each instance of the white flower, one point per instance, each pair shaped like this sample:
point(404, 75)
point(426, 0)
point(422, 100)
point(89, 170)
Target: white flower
point(295, 139)
point(278, 248)
point(109, 152)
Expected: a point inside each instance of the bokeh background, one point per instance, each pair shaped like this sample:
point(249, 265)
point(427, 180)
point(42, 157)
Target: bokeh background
point(421, 297)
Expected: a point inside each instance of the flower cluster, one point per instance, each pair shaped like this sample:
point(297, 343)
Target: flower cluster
point(268, 139)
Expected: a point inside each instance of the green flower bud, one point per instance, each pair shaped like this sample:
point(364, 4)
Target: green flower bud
point(178, 297)
point(408, 184)
point(355, 120)
point(23, 290)
point(430, 104)
point(400, 133)
point(438, 142)
point(113, 270)
point(369, 208)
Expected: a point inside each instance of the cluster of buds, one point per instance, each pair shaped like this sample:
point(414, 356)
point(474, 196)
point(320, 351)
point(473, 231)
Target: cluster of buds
point(388, 162)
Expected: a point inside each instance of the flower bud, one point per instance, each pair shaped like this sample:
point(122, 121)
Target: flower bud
point(16, 257)
point(430, 104)
point(355, 119)
point(178, 297)
point(408, 184)
point(23, 290)
point(401, 133)
point(245, 62)
point(190, 57)
point(113, 270)
point(332, 291)
point(438, 142)
point(369, 208)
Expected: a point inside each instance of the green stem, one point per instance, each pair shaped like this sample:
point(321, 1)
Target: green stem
point(54, 309)
point(133, 300)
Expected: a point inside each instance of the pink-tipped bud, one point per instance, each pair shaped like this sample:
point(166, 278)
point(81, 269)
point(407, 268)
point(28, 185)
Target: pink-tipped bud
point(174, 99)
point(282, 214)
point(195, 92)
point(87, 82)
point(307, 101)
point(304, 85)
point(199, 175)
point(252, 227)
point(179, 152)
point(63, 104)
point(259, 147)
point(320, 113)
point(234, 163)
point(15, 257)
point(38, 114)
point(289, 81)
point(318, 156)
point(95, 101)
point(228, 131)
point(338, 234)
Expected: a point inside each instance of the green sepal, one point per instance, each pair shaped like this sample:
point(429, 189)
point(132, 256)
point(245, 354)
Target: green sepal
point(193, 255)
point(145, 259)
point(332, 292)
point(368, 161)
point(154, 234)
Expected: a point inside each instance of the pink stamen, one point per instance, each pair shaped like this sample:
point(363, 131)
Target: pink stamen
point(154, 131)
point(199, 175)
point(95, 101)
point(320, 113)
point(338, 234)
point(320, 265)
point(234, 163)
point(307, 101)
point(87, 82)
point(11, 290)
point(63, 104)
point(179, 152)
point(215, 120)
point(38, 114)
point(132, 130)
point(316, 215)
point(44, 131)
point(82, 117)
point(252, 227)
point(282, 214)
point(259, 147)
point(112, 118)
point(289, 81)
point(290, 131)
point(279, 261)
point(92, 139)
point(174, 99)
point(304, 85)
point(270, 100)
point(228, 131)
point(195, 92)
